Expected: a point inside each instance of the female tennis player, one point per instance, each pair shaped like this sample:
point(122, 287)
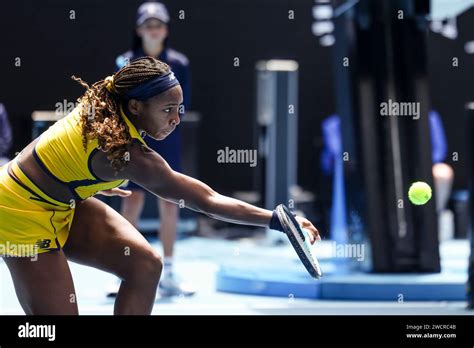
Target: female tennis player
point(46, 193)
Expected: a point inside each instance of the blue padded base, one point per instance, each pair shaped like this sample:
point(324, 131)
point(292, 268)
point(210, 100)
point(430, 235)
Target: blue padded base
point(278, 273)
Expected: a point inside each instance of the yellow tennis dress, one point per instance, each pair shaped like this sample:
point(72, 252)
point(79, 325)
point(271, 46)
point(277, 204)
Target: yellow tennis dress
point(32, 222)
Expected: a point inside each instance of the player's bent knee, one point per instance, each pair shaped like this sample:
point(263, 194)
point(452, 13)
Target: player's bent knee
point(148, 267)
point(155, 263)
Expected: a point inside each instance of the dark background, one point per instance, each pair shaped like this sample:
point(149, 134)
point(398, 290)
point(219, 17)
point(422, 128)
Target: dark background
point(53, 47)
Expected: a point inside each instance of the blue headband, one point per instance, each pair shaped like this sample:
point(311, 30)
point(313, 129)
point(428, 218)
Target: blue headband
point(153, 87)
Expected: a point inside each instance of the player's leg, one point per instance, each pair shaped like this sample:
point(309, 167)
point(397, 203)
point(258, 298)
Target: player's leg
point(169, 213)
point(132, 206)
point(131, 209)
point(170, 285)
point(43, 284)
point(100, 237)
point(443, 176)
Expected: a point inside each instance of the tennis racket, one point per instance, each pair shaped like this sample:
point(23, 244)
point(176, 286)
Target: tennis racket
point(299, 241)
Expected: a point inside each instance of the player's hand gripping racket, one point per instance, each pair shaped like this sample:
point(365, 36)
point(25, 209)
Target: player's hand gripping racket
point(298, 240)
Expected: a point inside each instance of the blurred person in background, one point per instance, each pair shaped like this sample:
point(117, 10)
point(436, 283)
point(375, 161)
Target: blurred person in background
point(5, 135)
point(151, 39)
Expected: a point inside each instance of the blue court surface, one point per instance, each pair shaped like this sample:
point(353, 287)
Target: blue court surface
point(256, 279)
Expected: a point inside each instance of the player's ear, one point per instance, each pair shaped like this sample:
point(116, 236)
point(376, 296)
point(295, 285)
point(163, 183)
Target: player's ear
point(133, 106)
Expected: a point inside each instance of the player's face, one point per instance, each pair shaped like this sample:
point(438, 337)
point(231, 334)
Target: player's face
point(153, 32)
point(159, 116)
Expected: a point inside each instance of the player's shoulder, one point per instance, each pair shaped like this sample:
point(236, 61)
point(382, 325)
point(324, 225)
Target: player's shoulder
point(177, 57)
point(124, 58)
point(2, 109)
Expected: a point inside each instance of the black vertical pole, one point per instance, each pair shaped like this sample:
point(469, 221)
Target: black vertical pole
point(418, 248)
point(387, 63)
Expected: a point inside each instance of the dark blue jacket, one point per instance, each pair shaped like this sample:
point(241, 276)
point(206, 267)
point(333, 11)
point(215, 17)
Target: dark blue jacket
point(5, 132)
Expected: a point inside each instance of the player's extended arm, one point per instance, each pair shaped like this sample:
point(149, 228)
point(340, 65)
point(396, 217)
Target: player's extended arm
point(150, 170)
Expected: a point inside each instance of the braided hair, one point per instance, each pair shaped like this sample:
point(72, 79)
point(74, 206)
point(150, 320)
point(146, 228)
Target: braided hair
point(99, 111)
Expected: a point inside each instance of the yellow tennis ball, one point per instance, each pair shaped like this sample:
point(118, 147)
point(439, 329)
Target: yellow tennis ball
point(419, 193)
